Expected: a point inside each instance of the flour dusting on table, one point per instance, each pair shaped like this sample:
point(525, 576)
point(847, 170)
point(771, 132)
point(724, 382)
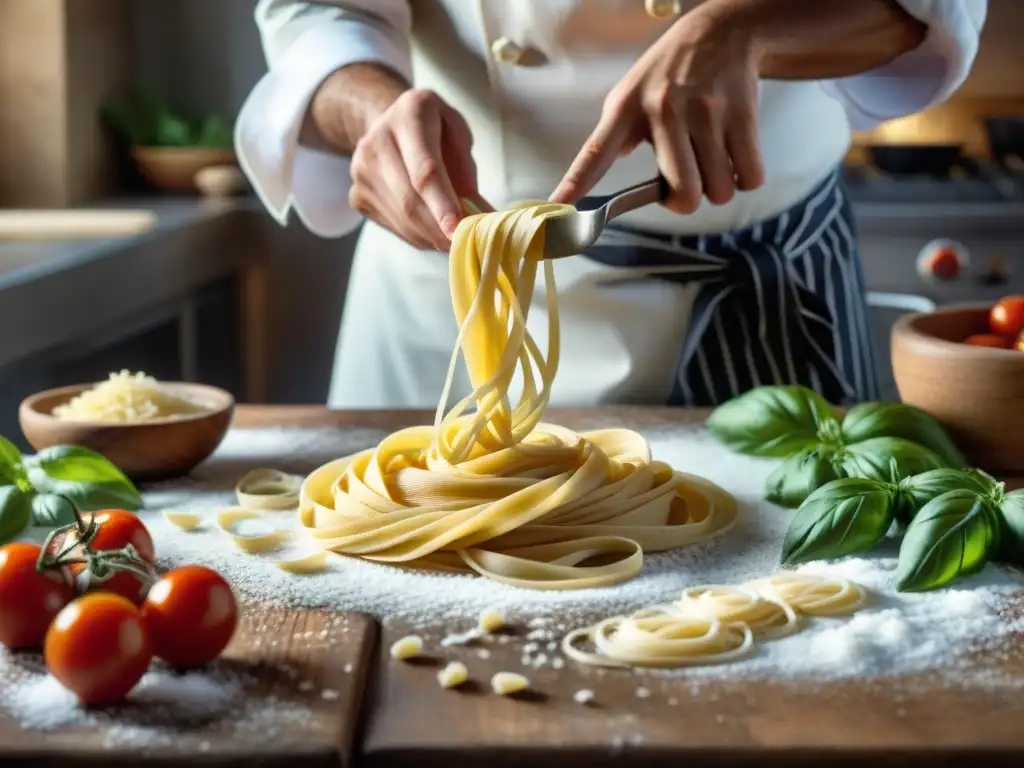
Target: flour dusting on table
point(900, 633)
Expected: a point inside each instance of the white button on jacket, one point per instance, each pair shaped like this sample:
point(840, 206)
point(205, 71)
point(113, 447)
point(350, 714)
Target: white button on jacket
point(528, 122)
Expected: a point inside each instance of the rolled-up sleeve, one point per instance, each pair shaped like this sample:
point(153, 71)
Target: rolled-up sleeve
point(925, 76)
point(304, 43)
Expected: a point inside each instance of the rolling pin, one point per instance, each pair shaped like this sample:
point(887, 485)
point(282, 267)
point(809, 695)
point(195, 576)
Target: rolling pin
point(36, 225)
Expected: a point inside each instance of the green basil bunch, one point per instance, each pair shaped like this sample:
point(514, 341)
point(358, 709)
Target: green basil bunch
point(40, 490)
point(956, 521)
point(819, 445)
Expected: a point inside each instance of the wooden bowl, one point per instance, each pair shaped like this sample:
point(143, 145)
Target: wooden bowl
point(976, 392)
point(174, 169)
point(146, 450)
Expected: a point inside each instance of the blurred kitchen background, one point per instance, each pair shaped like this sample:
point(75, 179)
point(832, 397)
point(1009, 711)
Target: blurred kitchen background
point(203, 285)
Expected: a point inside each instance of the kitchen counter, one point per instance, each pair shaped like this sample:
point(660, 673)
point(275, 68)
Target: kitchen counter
point(384, 714)
point(52, 293)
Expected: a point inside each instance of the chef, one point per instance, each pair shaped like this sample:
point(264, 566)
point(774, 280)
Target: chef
point(391, 111)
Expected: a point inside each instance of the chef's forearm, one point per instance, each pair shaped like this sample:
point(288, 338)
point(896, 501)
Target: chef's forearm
point(818, 39)
point(346, 104)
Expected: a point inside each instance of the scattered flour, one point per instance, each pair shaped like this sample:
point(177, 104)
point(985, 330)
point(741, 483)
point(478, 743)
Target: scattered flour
point(159, 711)
point(898, 634)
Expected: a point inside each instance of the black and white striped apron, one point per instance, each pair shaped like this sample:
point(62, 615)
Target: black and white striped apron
point(780, 302)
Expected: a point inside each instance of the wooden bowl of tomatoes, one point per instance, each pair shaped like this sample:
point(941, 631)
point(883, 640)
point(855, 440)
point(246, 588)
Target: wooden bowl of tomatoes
point(965, 366)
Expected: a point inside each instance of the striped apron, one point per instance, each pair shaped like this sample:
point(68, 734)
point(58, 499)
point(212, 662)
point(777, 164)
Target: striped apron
point(779, 302)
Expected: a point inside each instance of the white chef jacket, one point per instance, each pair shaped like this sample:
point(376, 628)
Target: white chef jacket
point(529, 118)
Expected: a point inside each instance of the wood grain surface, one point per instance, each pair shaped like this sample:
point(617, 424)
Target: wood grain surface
point(302, 676)
point(411, 722)
point(405, 719)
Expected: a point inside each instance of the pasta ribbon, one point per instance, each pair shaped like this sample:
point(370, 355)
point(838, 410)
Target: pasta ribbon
point(186, 521)
point(254, 543)
point(813, 594)
point(268, 489)
point(490, 487)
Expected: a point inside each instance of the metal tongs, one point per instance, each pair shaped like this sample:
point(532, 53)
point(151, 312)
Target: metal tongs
point(572, 235)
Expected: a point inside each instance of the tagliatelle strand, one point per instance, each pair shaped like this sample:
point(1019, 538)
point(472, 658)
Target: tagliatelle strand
point(813, 594)
point(186, 521)
point(268, 489)
point(256, 543)
point(311, 563)
point(491, 488)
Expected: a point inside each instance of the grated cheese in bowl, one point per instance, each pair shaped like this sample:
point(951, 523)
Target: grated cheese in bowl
point(126, 397)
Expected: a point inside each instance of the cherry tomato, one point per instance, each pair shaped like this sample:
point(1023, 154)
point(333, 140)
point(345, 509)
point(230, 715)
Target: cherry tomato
point(117, 528)
point(191, 615)
point(1007, 317)
point(943, 263)
point(98, 647)
point(28, 599)
point(988, 340)
point(1019, 345)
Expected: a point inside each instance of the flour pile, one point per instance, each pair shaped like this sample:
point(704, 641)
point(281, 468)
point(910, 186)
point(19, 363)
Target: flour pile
point(900, 633)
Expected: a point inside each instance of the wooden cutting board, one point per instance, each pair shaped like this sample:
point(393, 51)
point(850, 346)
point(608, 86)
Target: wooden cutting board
point(32, 225)
point(304, 673)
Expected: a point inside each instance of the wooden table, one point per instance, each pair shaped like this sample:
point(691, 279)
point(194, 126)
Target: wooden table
point(402, 718)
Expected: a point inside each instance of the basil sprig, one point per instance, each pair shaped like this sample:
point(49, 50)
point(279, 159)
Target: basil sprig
point(795, 424)
point(40, 490)
point(956, 521)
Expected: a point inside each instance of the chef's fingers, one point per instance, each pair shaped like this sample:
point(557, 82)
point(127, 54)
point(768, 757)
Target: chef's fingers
point(364, 200)
point(419, 142)
point(599, 151)
point(410, 215)
point(705, 120)
point(677, 163)
point(457, 148)
point(741, 142)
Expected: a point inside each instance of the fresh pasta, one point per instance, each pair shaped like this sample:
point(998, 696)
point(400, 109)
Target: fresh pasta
point(712, 624)
point(812, 594)
point(126, 397)
point(268, 489)
point(490, 488)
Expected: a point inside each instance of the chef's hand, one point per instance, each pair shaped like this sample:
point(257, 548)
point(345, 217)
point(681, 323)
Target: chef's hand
point(693, 95)
point(412, 166)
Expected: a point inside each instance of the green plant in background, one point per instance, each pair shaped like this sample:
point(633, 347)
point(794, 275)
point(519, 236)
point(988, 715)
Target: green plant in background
point(852, 476)
point(42, 489)
point(819, 444)
point(145, 120)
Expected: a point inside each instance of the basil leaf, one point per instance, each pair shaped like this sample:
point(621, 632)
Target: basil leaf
point(873, 420)
point(11, 469)
point(89, 496)
point(51, 511)
point(841, 518)
point(874, 459)
point(1012, 513)
point(15, 512)
point(917, 490)
point(771, 421)
point(75, 464)
point(953, 535)
point(800, 475)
